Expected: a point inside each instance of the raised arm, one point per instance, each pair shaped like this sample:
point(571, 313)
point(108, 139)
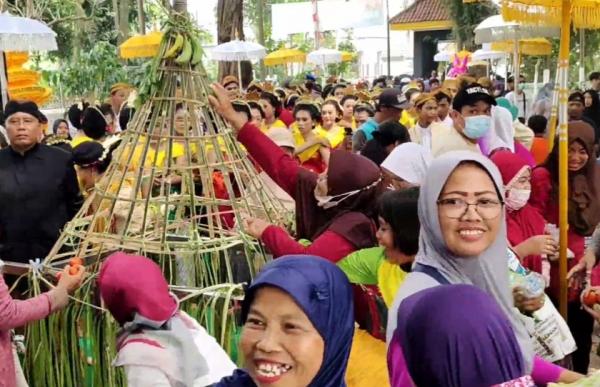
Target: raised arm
point(282, 168)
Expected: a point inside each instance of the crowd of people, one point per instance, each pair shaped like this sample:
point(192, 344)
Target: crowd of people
point(398, 187)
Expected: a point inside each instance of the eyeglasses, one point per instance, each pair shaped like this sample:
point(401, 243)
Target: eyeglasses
point(457, 208)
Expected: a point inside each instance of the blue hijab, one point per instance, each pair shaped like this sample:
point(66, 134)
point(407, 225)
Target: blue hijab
point(323, 292)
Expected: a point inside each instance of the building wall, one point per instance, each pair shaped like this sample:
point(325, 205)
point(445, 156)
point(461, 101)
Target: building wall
point(425, 47)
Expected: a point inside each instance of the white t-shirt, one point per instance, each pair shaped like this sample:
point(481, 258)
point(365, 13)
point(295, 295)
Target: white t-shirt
point(520, 101)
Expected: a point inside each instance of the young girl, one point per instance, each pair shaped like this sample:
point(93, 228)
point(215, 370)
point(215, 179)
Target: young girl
point(312, 147)
point(330, 114)
point(398, 237)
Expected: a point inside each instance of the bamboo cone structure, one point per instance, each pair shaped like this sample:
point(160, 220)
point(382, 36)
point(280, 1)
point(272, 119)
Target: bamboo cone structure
point(176, 191)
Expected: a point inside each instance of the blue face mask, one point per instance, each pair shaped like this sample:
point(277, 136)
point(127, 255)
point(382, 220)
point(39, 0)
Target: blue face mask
point(477, 126)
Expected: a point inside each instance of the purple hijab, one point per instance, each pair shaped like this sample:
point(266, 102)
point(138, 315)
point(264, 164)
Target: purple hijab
point(323, 292)
point(456, 336)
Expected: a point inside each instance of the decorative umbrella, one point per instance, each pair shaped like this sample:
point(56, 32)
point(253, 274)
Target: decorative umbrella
point(237, 51)
point(324, 56)
point(141, 46)
point(285, 56)
point(533, 47)
point(496, 29)
point(443, 56)
point(22, 34)
point(583, 14)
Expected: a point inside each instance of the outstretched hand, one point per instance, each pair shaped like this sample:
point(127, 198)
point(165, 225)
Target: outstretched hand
point(222, 104)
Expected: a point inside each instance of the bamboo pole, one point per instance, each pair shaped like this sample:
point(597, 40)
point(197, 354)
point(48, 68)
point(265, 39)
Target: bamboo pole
point(563, 152)
point(554, 111)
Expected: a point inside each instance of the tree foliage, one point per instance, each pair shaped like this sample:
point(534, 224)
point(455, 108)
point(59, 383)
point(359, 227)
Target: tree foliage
point(465, 17)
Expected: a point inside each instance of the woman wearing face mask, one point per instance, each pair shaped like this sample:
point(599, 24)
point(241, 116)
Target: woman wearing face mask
point(584, 216)
point(312, 147)
point(406, 166)
point(525, 224)
point(333, 209)
point(298, 326)
point(330, 114)
point(463, 241)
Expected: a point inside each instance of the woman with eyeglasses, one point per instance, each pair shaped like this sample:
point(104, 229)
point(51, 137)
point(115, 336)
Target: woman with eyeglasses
point(463, 241)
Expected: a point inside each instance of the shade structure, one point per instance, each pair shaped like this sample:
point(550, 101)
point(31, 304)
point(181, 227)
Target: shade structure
point(495, 29)
point(141, 46)
point(324, 56)
point(563, 13)
point(535, 46)
point(238, 50)
point(284, 56)
point(24, 34)
point(486, 54)
point(443, 56)
point(584, 13)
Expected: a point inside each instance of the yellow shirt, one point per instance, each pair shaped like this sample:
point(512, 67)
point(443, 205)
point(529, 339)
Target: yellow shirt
point(299, 140)
point(80, 140)
point(389, 278)
point(407, 119)
point(335, 135)
point(277, 124)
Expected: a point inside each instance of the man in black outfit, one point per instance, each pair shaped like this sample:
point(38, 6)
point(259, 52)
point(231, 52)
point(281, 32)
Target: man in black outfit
point(39, 192)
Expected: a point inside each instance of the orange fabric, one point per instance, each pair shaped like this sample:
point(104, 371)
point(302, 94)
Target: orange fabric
point(539, 149)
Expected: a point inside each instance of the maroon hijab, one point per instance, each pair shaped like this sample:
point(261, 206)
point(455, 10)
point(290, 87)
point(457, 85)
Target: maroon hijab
point(352, 218)
point(584, 185)
point(526, 222)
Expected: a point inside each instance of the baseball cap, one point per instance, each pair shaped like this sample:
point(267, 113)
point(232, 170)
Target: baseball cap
point(281, 137)
point(577, 96)
point(392, 98)
point(470, 95)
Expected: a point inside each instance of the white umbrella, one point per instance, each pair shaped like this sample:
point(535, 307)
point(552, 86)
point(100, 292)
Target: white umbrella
point(237, 51)
point(443, 56)
point(22, 34)
point(495, 28)
point(324, 56)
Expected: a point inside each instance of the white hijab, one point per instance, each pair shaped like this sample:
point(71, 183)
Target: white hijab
point(408, 161)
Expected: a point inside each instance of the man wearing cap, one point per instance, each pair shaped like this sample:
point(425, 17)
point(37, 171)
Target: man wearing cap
point(472, 121)
point(38, 187)
point(119, 92)
point(232, 85)
point(389, 107)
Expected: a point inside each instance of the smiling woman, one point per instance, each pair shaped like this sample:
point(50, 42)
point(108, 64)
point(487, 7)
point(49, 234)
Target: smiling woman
point(298, 326)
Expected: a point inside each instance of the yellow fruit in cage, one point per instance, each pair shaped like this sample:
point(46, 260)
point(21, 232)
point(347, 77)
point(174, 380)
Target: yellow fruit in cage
point(16, 58)
point(19, 77)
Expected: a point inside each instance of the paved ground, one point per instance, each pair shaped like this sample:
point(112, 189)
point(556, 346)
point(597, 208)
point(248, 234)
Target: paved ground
point(595, 359)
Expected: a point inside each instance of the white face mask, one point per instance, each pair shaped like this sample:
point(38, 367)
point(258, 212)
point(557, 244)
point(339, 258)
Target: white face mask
point(327, 201)
point(517, 198)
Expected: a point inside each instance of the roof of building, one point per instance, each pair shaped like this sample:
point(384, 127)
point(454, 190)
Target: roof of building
point(423, 15)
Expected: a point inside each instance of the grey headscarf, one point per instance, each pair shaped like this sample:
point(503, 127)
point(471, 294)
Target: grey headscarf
point(488, 271)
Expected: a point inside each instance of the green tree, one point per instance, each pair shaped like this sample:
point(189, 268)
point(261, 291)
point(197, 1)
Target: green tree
point(465, 17)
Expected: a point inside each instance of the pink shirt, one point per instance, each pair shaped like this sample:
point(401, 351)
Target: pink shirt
point(13, 314)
